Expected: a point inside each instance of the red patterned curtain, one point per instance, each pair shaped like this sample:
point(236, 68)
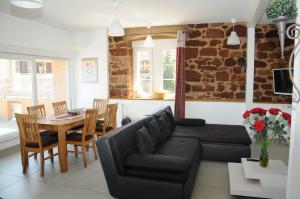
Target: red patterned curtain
point(180, 77)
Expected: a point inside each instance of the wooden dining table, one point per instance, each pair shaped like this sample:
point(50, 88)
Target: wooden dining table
point(62, 126)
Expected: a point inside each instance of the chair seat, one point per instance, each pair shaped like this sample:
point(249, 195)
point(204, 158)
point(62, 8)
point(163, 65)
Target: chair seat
point(99, 128)
point(77, 128)
point(47, 140)
point(77, 137)
point(49, 133)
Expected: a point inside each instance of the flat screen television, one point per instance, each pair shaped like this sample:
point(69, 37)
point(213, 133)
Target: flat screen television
point(282, 82)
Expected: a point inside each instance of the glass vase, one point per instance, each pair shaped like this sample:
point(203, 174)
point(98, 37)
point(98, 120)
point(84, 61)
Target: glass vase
point(264, 156)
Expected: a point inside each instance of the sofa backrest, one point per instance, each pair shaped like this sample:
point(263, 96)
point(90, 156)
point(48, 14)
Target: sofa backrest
point(158, 113)
point(123, 142)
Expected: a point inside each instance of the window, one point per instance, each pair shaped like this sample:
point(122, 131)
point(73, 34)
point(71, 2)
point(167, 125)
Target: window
point(144, 66)
point(169, 67)
point(43, 67)
point(19, 88)
point(22, 67)
point(155, 68)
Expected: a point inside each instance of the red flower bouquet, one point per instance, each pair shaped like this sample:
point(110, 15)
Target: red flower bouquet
point(266, 125)
point(259, 126)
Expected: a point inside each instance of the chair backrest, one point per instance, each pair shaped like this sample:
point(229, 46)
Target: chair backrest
point(60, 107)
point(100, 104)
point(38, 110)
point(89, 127)
point(110, 119)
point(28, 128)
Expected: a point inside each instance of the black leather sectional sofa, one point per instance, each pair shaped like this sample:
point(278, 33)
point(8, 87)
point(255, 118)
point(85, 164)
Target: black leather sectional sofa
point(170, 170)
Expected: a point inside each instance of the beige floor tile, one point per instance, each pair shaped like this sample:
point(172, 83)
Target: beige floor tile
point(25, 189)
point(6, 180)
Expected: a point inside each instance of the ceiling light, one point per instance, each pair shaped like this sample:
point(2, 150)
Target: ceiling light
point(116, 29)
point(148, 43)
point(29, 4)
point(233, 38)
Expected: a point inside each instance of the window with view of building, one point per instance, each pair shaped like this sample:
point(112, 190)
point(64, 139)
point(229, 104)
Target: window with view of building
point(169, 67)
point(21, 86)
point(155, 68)
point(144, 66)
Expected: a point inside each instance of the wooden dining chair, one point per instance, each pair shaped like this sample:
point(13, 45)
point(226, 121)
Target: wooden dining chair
point(60, 107)
point(86, 137)
point(100, 104)
point(110, 120)
point(34, 141)
point(40, 112)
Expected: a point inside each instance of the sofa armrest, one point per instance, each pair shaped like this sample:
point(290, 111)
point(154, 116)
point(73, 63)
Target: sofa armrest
point(158, 162)
point(190, 122)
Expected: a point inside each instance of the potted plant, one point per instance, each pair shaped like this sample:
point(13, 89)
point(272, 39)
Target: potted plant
point(281, 11)
point(267, 125)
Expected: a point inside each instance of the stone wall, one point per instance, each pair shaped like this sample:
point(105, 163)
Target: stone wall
point(120, 67)
point(268, 57)
point(212, 70)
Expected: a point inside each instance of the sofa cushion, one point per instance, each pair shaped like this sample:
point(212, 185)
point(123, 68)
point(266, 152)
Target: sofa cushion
point(165, 132)
point(167, 121)
point(215, 133)
point(158, 162)
point(171, 117)
point(144, 141)
point(186, 148)
point(159, 175)
point(154, 131)
point(190, 122)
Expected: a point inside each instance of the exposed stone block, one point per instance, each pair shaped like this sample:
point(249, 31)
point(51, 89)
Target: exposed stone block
point(260, 79)
point(208, 51)
point(222, 76)
point(266, 46)
point(214, 42)
point(214, 33)
point(191, 53)
point(192, 76)
point(230, 62)
point(224, 53)
point(261, 55)
point(194, 34)
point(260, 64)
point(196, 43)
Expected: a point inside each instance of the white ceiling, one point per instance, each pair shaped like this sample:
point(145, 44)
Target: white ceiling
point(93, 14)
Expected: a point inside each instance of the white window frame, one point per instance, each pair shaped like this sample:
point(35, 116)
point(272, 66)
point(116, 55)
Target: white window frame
point(175, 70)
point(136, 70)
point(157, 61)
point(33, 59)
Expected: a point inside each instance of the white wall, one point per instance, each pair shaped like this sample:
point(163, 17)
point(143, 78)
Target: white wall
point(90, 44)
point(26, 37)
point(26, 33)
point(212, 112)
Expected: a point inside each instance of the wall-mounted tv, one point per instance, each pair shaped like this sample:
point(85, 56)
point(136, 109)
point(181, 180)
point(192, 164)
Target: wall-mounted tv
point(282, 82)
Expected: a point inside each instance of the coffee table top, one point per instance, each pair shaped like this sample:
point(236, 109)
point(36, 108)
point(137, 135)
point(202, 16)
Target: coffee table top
point(260, 182)
point(275, 169)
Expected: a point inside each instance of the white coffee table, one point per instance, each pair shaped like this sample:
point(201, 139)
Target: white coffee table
point(249, 179)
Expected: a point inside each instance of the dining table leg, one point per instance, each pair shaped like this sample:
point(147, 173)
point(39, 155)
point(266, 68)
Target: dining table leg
point(62, 149)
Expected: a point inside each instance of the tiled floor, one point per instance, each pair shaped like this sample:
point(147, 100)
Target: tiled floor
point(79, 183)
